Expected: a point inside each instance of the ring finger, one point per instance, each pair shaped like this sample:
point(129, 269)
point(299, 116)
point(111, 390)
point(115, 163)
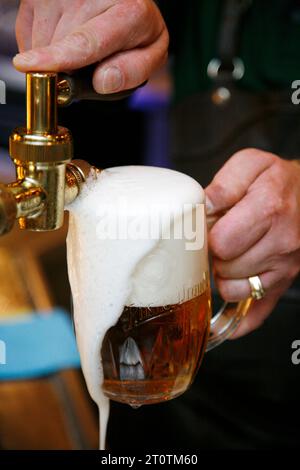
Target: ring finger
point(234, 290)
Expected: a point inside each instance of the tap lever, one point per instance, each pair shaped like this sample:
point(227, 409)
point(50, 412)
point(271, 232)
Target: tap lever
point(79, 86)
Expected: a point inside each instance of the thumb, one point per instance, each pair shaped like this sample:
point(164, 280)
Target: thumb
point(232, 182)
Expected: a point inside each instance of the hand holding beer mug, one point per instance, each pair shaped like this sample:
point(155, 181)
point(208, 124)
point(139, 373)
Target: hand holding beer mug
point(142, 302)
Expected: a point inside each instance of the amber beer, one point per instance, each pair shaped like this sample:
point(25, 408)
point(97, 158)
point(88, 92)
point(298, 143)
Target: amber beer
point(153, 353)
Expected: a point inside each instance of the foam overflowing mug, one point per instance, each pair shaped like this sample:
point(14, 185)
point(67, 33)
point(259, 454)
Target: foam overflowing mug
point(139, 274)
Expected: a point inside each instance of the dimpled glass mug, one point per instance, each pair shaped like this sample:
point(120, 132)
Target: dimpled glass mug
point(153, 351)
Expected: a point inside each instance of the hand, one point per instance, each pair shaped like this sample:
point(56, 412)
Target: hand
point(260, 231)
point(127, 38)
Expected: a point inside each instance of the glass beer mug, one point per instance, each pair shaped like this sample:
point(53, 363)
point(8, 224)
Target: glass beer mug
point(153, 352)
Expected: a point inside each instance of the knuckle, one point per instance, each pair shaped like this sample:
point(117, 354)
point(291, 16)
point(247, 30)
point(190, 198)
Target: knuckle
point(139, 10)
point(273, 204)
point(244, 153)
point(290, 241)
point(277, 174)
point(254, 153)
point(138, 13)
point(276, 169)
point(275, 200)
point(84, 40)
point(225, 191)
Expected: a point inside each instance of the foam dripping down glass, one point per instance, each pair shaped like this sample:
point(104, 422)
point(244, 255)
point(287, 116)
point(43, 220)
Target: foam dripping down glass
point(139, 274)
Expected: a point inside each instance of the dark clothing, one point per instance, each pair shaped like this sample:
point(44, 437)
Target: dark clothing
point(268, 43)
point(246, 392)
point(245, 396)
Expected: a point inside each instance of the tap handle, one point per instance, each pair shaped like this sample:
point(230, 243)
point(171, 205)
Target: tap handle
point(79, 86)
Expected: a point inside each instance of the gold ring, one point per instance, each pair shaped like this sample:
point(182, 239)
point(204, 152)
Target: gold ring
point(257, 290)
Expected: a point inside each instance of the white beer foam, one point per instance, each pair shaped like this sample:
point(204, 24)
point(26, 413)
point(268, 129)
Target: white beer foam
point(107, 274)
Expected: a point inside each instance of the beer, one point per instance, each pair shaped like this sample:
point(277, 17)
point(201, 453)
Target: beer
point(137, 238)
point(139, 273)
point(153, 353)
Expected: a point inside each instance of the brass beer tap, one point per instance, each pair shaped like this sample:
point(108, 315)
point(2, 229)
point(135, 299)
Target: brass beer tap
point(46, 179)
point(41, 152)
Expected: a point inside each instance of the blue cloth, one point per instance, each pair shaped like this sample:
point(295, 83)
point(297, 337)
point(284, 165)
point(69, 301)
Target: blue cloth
point(37, 344)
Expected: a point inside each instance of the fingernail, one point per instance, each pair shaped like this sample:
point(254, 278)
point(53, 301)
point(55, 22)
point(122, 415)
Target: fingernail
point(209, 206)
point(111, 80)
point(25, 59)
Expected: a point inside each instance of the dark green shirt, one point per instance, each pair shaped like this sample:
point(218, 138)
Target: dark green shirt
point(269, 43)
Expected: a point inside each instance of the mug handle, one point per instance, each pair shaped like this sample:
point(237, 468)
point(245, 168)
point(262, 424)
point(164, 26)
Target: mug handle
point(226, 321)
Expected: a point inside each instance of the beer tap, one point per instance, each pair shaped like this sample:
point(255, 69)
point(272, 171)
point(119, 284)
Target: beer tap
point(46, 177)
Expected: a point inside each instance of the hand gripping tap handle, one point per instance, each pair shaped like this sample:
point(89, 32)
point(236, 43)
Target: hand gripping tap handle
point(79, 86)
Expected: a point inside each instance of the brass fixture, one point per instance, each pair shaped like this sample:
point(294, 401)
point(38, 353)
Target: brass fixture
point(42, 153)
